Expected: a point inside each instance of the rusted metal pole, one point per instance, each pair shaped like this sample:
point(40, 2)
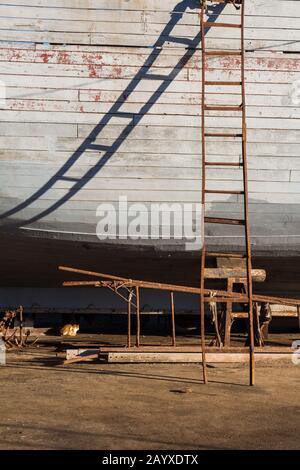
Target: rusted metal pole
point(246, 204)
point(224, 296)
point(258, 275)
point(202, 274)
point(138, 317)
point(129, 319)
point(91, 273)
point(173, 319)
point(276, 300)
point(156, 285)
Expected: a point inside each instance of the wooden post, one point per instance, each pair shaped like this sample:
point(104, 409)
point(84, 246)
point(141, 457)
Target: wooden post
point(129, 319)
point(227, 328)
point(173, 319)
point(21, 325)
point(138, 318)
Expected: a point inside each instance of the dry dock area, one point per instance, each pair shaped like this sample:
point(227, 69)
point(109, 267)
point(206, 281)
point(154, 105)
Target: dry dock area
point(141, 406)
point(149, 226)
point(46, 405)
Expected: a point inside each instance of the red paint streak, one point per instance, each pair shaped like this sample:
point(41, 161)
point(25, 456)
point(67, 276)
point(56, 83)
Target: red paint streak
point(255, 64)
point(64, 58)
point(279, 64)
point(92, 58)
point(117, 72)
point(97, 97)
point(27, 105)
point(14, 55)
point(92, 71)
point(45, 56)
point(16, 105)
point(81, 109)
point(230, 62)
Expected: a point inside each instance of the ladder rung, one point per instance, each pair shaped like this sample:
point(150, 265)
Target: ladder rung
point(223, 108)
point(225, 255)
point(216, 134)
point(238, 2)
point(218, 220)
point(223, 164)
point(223, 53)
point(223, 191)
point(215, 83)
point(209, 24)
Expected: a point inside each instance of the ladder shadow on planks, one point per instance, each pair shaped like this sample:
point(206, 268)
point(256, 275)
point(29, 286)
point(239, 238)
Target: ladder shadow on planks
point(131, 119)
point(240, 109)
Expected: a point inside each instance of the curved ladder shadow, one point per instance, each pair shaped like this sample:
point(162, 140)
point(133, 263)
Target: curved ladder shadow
point(114, 111)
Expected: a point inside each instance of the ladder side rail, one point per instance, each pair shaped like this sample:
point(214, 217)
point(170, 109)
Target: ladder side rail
point(246, 203)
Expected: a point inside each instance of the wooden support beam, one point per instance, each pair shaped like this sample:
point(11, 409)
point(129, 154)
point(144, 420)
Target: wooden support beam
point(258, 275)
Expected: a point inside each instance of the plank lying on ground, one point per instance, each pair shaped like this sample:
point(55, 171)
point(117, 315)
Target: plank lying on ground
point(194, 357)
point(193, 349)
point(154, 355)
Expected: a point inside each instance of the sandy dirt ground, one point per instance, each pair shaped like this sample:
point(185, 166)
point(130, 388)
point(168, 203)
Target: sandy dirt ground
point(46, 405)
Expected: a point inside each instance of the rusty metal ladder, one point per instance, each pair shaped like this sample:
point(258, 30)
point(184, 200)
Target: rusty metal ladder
point(239, 5)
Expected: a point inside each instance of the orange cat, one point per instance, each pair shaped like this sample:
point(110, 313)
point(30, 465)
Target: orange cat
point(69, 330)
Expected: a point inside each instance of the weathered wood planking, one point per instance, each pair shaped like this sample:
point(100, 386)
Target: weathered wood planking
point(69, 144)
point(56, 94)
point(111, 23)
point(282, 7)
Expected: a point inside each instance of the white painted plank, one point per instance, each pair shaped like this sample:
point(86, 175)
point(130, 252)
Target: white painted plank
point(145, 29)
point(14, 158)
point(140, 57)
point(154, 146)
point(174, 189)
point(119, 32)
point(155, 120)
point(134, 16)
point(295, 175)
point(109, 195)
point(96, 84)
point(23, 176)
point(254, 7)
point(187, 103)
